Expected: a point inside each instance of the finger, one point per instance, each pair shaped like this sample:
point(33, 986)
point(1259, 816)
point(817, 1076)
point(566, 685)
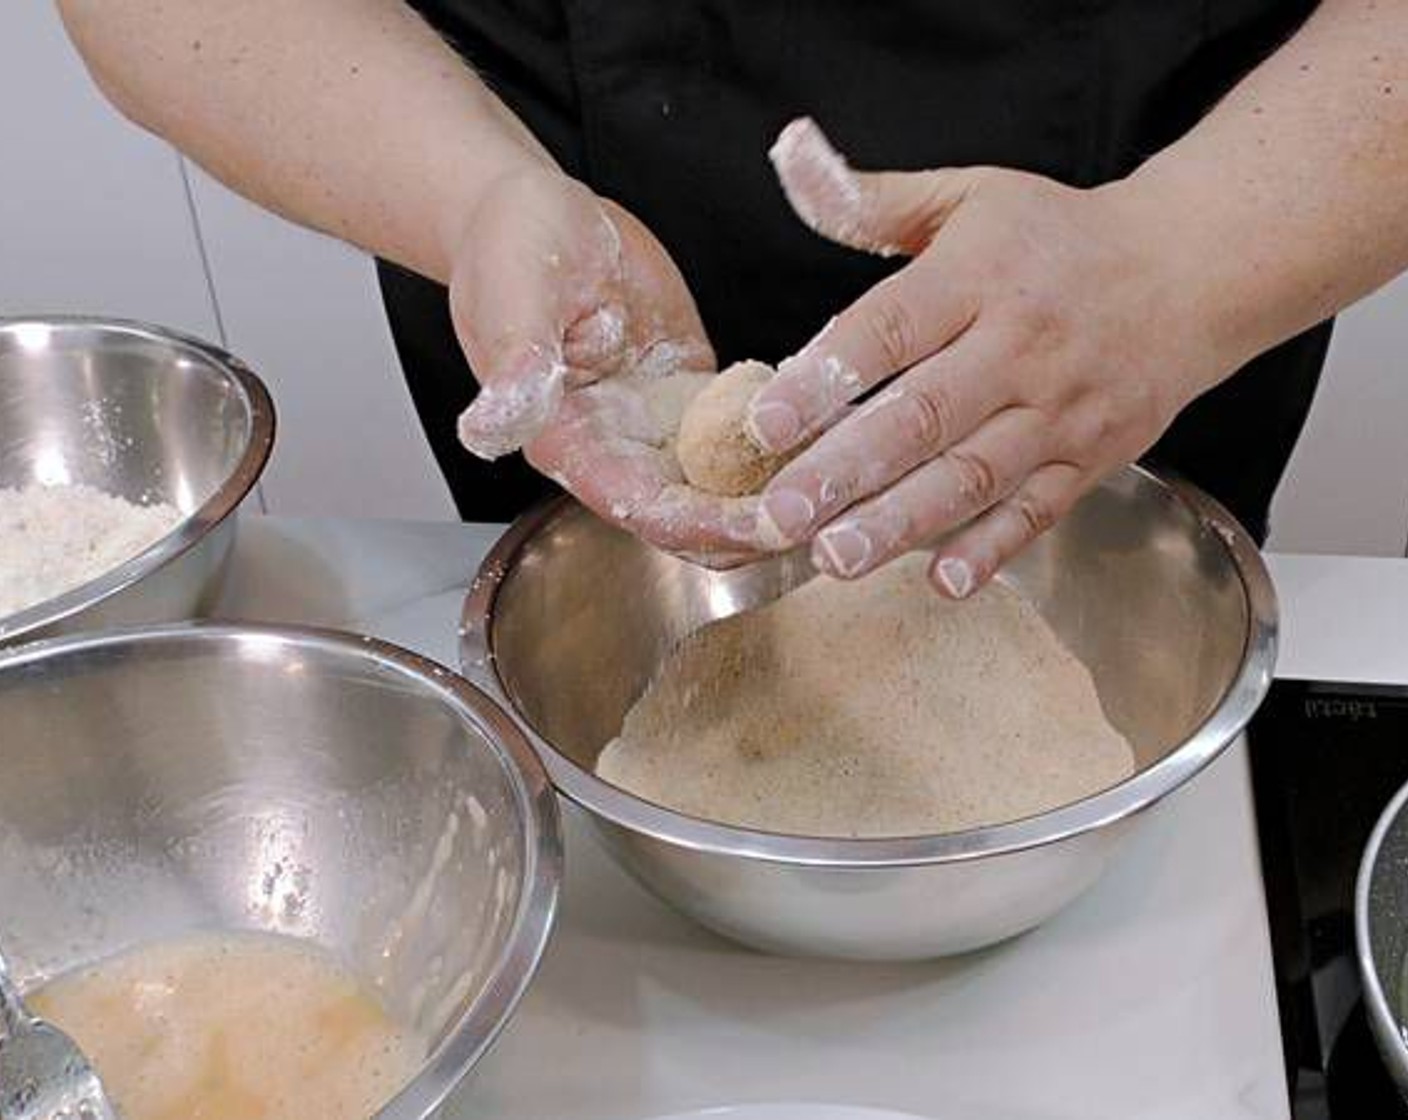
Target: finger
point(921, 413)
point(886, 212)
point(974, 555)
point(948, 491)
point(902, 320)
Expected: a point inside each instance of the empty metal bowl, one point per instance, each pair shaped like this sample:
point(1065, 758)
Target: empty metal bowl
point(1150, 583)
point(201, 777)
point(147, 415)
point(1381, 935)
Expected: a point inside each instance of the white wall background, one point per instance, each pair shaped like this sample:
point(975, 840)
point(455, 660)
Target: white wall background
point(96, 216)
point(304, 311)
point(1346, 489)
point(93, 215)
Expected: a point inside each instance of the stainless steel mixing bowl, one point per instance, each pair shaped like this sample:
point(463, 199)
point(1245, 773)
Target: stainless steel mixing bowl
point(1381, 935)
point(1149, 582)
point(221, 777)
point(148, 415)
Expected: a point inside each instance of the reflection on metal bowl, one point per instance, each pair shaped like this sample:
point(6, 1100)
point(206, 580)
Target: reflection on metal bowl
point(174, 779)
point(144, 414)
point(1150, 583)
point(1381, 935)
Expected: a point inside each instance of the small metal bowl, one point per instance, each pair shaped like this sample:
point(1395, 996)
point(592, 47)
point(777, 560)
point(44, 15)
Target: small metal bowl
point(150, 416)
point(205, 777)
point(1150, 583)
point(1381, 935)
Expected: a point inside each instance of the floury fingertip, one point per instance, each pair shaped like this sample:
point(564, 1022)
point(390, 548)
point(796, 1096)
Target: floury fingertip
point(822, 187)
point(818, 182)
point(504, 418)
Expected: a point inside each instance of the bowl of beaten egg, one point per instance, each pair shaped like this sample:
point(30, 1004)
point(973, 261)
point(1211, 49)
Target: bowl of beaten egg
point(268, 872)
point(864, 770)
point(125, 453)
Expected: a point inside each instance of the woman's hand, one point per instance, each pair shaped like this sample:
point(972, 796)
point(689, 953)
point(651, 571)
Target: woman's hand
point(1041, 337)
point(578, 326)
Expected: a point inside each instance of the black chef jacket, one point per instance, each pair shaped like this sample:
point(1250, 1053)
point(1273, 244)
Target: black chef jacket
point(669, 107)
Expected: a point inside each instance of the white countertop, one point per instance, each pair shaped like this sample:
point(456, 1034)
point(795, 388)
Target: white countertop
point(1150, 998)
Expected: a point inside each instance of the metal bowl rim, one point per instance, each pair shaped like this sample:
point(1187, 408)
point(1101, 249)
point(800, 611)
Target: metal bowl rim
point(1241, 698)
point(487, 1015)
point(1385, 1024)
point(191, 529)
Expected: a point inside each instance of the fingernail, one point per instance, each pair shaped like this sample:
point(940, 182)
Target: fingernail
point(774, 426)
point(956, 576)
point(784, 518)
point(845, 548)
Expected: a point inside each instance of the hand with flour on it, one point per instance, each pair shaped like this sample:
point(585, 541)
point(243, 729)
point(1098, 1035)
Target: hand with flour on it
point(1040, 337)
point(587, 345)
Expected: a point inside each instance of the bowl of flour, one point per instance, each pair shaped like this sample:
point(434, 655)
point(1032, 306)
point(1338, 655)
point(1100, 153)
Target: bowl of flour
point(862, 769)
point(125, 453)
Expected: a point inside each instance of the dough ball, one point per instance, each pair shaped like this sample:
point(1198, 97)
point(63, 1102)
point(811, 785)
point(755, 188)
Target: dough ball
point(714, 447)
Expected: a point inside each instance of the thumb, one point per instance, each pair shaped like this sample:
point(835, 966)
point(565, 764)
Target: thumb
point(883, 212)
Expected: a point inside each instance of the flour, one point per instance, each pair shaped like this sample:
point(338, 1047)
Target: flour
point(633, 420)
point(503, 417)
point(869, 709)
point(822, 187)
point(55, 538)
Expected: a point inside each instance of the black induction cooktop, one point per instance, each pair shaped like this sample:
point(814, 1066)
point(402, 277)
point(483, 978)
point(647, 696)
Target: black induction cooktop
point(1326, 760)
